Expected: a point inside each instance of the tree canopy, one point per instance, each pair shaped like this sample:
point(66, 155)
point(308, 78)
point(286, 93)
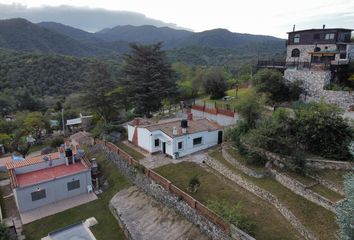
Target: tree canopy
point(149, 78)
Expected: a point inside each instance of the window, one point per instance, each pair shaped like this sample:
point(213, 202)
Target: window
point(197, 141)
point(297, 38)
point(73, 185)
point(329, 36)
point(157, 142)
point(343, 56)
point(38, 194)
point(317, 49)
point(316, 36)
point(295, 53)
point(180, 145)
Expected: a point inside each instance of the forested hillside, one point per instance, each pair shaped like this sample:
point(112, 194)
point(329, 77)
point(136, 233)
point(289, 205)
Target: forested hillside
point(44, 74)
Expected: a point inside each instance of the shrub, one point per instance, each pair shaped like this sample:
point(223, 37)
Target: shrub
point(193, 183)
point(56, 142)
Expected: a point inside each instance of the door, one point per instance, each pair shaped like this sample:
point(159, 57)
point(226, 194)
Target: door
point(219, 137)
point(164, 148)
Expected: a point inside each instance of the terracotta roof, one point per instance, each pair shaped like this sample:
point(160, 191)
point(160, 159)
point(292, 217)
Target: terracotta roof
point(194, 126)
point(48, 174)
point(30, 161)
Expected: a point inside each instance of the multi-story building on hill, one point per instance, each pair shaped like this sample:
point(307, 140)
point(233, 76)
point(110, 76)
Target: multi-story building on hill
point(316, 57)
point(319, 48)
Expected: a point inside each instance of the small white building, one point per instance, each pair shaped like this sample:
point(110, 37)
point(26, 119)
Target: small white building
point(175, 137)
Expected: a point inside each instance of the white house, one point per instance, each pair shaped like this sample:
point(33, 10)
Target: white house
point(174, 137)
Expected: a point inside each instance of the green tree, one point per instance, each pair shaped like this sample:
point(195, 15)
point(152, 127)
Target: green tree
point(271, 82)
point(34, 123)
point(321, 129)
point(345, 210)
point(149, 78)
point(97, 92)
point(250, 107)
point(214, 82)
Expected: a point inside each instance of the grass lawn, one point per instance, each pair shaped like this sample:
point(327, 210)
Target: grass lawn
point(107, 227)
point(327, 193)
point(269, 224)
point(132, 152)
point(240, 94)
point(319, 220)
point(335, 176)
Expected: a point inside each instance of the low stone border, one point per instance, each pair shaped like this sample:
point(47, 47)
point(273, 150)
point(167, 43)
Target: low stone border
point(311, 162)
point(265, 195)
point(242, 167)
point(329, 184)
point(300, 189)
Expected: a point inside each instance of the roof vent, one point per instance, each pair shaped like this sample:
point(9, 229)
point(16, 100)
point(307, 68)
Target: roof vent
point(174, 131)
point(184, 123)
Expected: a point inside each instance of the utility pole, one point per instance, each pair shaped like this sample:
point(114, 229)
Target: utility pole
point(62, 120)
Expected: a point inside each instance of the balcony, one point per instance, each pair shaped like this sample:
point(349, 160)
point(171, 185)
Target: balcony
point(282, 65)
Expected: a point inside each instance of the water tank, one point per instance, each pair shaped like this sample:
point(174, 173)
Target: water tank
point(184, 123)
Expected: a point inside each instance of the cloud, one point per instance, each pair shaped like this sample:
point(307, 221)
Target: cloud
point(89, 19)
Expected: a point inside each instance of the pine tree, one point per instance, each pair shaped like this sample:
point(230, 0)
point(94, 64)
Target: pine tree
point(149, 78)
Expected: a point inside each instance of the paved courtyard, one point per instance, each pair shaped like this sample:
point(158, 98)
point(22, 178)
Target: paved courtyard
point(146, 219)
point(56, 207)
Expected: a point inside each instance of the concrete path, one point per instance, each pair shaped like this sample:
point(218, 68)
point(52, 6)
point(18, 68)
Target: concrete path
point(147, 219)
point(56, 207)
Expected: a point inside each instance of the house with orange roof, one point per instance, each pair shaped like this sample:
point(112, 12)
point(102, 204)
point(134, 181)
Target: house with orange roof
point(44, 179)
point(174, 137)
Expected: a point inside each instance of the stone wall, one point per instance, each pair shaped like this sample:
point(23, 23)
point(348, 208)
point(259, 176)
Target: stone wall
point(159, 192)
point(314, 83)
point(300, 189)
point(265, 195)
point(305, 49)
point(310, 162)
point(242, 167)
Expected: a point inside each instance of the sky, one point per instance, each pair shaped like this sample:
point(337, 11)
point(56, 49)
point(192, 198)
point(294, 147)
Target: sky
point(267, 17)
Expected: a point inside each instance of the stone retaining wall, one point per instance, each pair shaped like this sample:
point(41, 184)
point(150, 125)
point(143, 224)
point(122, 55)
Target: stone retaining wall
point(300, 189)
point(267, 196)
point(242, 167)
point(310, 162)
point(314, 83)
point(161, 194)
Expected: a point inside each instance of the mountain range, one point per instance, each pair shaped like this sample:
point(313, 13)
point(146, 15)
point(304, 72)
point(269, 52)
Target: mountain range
point(51, 37)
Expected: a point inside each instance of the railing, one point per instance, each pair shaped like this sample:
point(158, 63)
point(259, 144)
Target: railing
point(166, 184)
point(296, 65)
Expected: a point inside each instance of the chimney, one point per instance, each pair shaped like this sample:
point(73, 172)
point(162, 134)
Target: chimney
point(324, 26)
point(190, 116)
point(174, 131)
point(294, 28)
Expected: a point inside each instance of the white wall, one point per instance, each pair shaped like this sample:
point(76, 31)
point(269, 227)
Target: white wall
point(130, 132)
point(39, 166)
point(209, 139)
point(55, 190)
point(219, 118)
point(144, 139)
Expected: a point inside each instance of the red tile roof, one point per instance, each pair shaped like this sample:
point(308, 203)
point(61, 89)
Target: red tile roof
point(48, 174)
point(33, 160)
